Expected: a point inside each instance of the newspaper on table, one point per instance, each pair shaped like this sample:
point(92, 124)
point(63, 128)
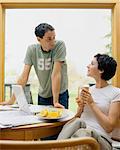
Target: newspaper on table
point(10, 119)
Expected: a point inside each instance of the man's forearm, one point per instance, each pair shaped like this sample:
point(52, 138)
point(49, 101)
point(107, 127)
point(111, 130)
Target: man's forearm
point(12, 100)
point(22, 81)
point(56, 80)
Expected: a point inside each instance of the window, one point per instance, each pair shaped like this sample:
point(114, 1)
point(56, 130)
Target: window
point(108, 4)
point(83, 31)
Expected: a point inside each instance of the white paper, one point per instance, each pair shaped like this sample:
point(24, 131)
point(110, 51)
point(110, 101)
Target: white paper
point(16, 118)
point(6, 108)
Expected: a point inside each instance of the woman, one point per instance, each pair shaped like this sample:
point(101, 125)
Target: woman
point(98, 107)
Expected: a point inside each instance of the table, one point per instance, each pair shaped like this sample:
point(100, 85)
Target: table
point(31, 132)
point(34, 131)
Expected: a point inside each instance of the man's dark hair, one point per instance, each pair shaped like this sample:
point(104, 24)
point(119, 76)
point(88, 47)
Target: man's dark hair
point(106, 64)
point(42, 28)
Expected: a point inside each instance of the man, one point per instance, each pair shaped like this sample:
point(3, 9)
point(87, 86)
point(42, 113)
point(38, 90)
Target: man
point(48, 59)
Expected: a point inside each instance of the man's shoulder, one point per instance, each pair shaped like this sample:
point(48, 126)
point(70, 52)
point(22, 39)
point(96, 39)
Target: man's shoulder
point(59, 42)
point(60, 45)
point(34, 46)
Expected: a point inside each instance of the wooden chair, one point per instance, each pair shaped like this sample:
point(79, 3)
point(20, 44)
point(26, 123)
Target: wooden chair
point(87, 143)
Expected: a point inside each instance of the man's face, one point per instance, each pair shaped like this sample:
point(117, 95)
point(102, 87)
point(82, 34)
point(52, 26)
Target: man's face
point(48, 40)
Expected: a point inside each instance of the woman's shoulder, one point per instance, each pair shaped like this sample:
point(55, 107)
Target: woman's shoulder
point(114, 88)
point(116, 93)
point(109, 87)
point(110, 91)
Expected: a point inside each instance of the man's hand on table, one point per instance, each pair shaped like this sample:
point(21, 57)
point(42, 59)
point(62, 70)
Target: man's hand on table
point(58, 105)
point(4, 103)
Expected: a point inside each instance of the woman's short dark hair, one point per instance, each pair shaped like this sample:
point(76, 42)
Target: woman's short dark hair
point(42, 28)
point(106, 64)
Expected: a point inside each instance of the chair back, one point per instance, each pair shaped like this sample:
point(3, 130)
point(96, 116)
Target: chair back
point(86, 143)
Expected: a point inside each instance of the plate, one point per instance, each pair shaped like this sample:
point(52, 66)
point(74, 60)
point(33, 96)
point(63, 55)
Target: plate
point(52, 113)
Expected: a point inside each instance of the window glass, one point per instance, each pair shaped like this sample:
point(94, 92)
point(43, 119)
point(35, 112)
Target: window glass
point(85, 32)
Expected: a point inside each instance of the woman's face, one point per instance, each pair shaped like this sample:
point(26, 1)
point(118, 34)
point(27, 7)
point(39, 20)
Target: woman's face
point(93, 70)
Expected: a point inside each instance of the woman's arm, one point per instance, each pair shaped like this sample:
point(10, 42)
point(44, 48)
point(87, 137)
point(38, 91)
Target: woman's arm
point(80, 107)
point(108, 122)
